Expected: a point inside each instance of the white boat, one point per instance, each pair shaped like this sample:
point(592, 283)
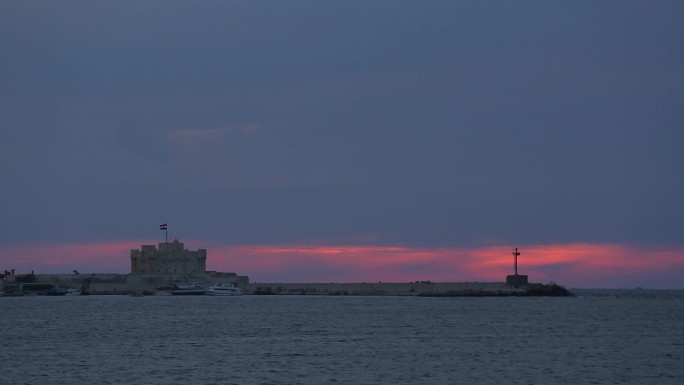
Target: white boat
point(224, 289)
point(187, 288)
point(73, 292)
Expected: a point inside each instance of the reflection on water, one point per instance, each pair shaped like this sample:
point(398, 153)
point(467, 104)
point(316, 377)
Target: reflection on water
point(602, 337)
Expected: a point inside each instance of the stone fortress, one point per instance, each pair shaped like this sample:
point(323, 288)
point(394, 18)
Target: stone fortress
point(153, 268)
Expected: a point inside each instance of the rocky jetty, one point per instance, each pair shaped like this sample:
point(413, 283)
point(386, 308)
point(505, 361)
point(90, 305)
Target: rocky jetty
point(531, 290)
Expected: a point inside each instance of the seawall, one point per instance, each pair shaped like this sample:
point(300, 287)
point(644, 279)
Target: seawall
point(113, 283)
point(421, 288)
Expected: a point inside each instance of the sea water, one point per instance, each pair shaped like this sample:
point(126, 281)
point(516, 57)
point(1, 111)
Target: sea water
point(631, 337)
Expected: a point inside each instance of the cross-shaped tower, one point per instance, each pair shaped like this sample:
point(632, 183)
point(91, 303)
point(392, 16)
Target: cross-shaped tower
point(515, 260)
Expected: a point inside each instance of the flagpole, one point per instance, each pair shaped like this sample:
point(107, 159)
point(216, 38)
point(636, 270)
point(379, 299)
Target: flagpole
point(164, 226)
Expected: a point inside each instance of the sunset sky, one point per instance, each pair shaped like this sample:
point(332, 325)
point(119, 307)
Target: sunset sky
point(337, 141)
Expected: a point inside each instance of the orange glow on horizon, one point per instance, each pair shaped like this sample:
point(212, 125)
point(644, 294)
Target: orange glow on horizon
point(574, 265)
point(580, 264)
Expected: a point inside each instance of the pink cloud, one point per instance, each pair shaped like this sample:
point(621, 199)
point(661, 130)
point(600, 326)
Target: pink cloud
point(574, 265)
point(196, 134)
point(186, 135)
point(582, 265)
point(251, 128)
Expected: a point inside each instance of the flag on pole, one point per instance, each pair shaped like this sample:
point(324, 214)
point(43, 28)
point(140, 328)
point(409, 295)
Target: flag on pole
point(162, 226)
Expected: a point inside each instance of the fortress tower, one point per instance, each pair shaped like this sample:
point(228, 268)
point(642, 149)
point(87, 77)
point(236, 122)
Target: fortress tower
point(171, 257)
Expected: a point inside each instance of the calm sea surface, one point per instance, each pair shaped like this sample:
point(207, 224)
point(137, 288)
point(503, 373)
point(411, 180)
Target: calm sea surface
point(599, 337)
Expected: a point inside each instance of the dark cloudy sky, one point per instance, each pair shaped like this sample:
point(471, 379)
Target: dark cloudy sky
point(425, 124)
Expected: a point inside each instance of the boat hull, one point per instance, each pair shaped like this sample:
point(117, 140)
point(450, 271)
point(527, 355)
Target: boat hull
point(188, 292)
point(224, 290)
point(220, 293)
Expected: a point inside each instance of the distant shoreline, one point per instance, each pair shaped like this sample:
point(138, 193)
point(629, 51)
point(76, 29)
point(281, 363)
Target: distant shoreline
point(114, 284)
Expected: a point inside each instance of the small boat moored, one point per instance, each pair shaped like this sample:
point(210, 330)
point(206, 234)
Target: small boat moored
point(224, 289)
point(188, 288)
point(71, 292)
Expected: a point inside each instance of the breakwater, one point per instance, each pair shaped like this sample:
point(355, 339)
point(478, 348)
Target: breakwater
point(420, 288)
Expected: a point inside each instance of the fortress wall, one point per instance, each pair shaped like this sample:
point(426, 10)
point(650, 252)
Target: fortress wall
point(76, 280)
point(126, 283)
